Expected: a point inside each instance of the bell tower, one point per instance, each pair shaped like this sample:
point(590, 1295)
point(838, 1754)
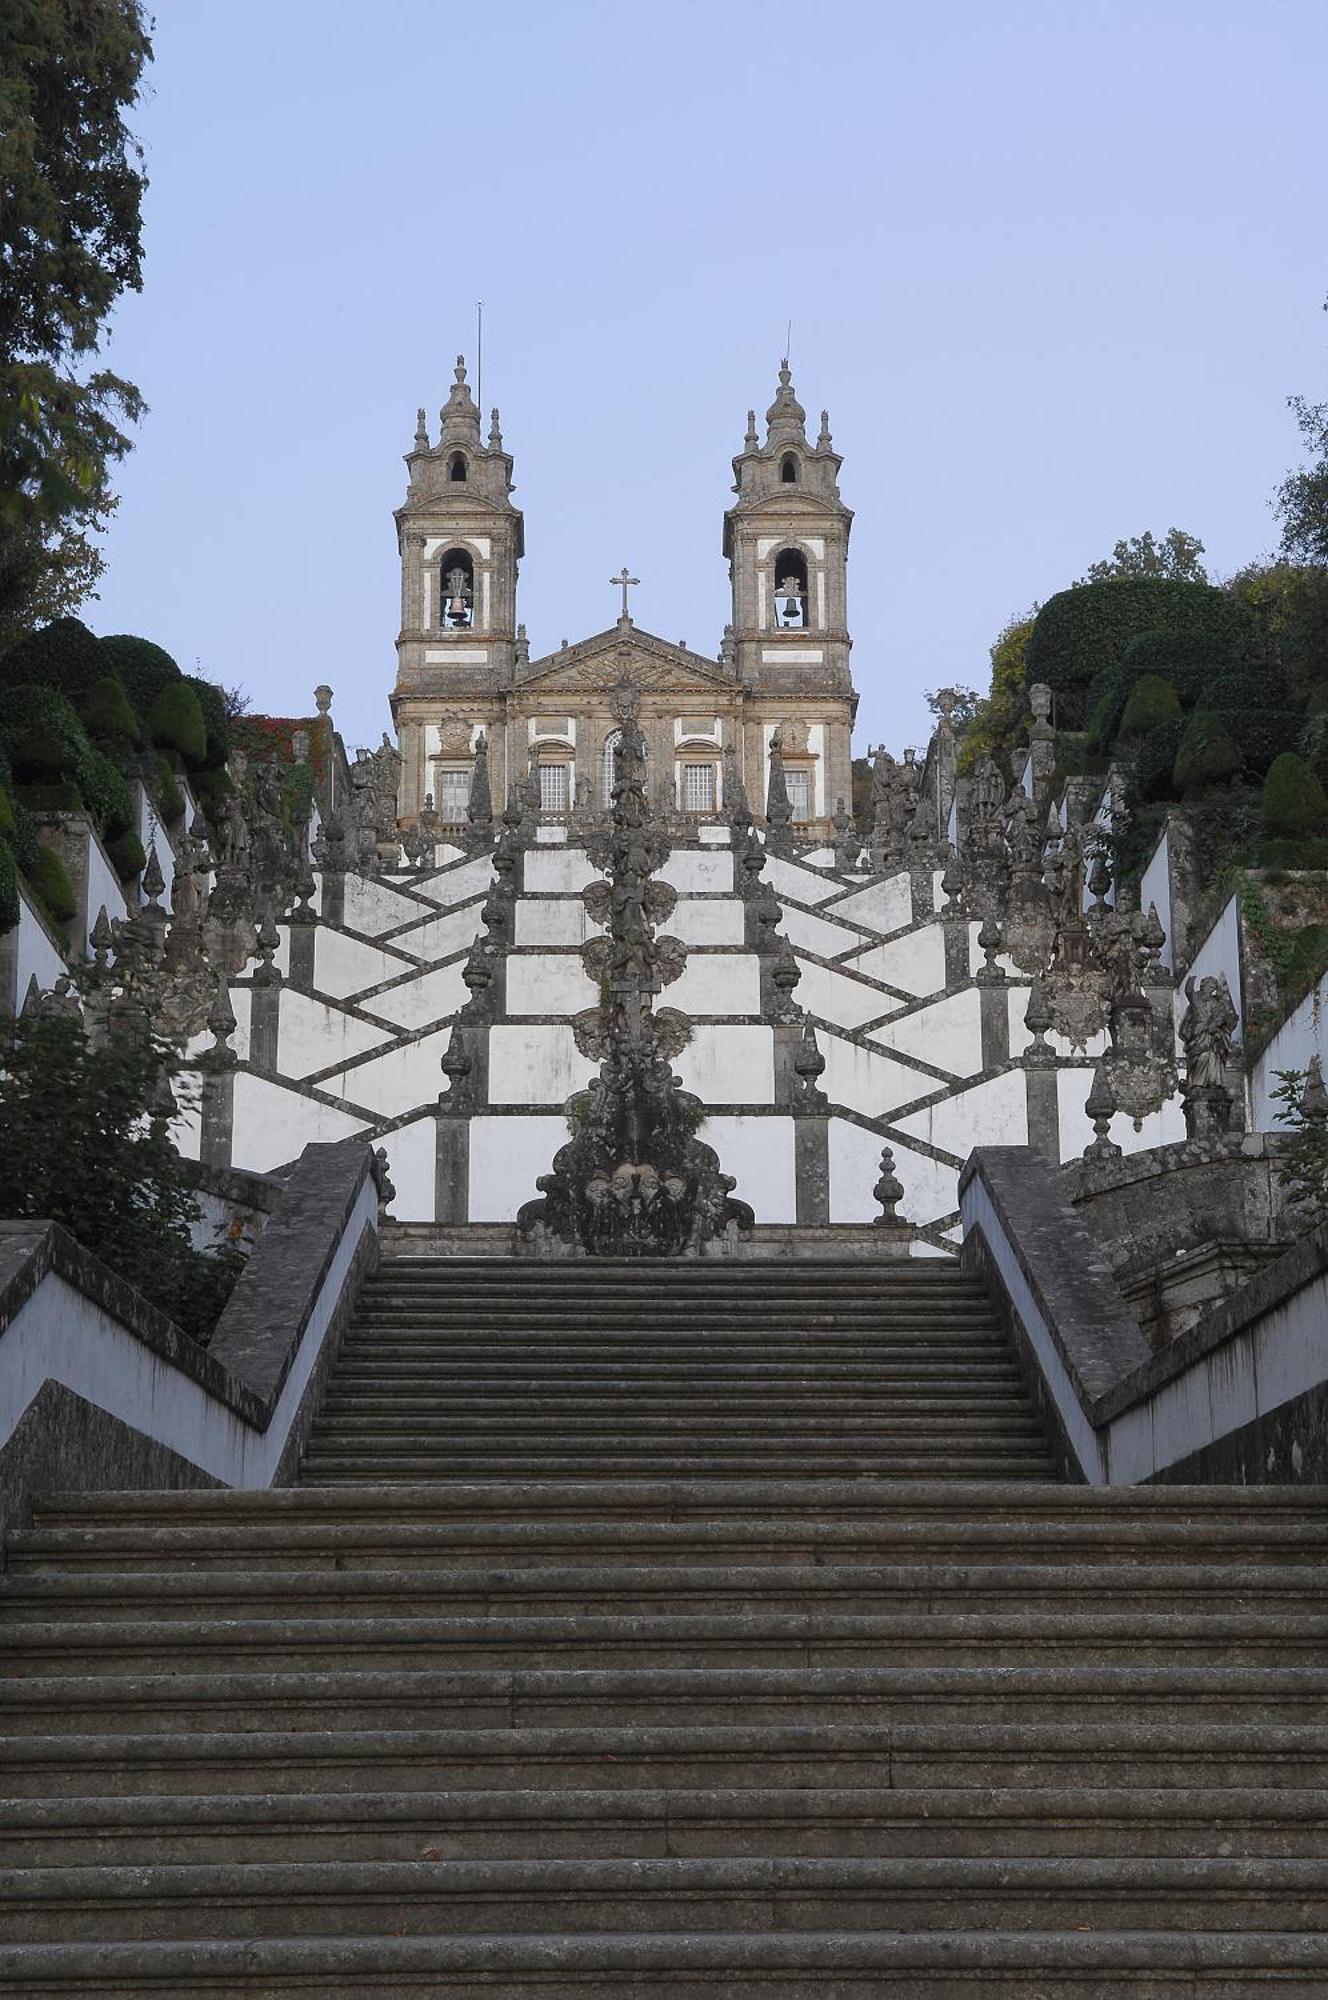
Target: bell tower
point(461, 541)
point(786, 539)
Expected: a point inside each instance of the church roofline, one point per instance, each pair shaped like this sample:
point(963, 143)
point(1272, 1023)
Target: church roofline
point(627, 633)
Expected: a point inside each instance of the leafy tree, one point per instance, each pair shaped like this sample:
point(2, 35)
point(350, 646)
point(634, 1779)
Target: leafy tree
point(1294, 802)
point(1302, 1165)
point(114, 1179)
point(999, 715)
point(70, 193)
point(1302, 498)
point(1178, 556)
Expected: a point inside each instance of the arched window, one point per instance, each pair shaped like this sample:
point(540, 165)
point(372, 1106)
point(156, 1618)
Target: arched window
point(792, 603)
point(609, 772)
point(788, 470)
point(456, 591)
point(457, 467)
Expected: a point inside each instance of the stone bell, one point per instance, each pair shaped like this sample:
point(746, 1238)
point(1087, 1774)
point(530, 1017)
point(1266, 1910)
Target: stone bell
point(456, 598)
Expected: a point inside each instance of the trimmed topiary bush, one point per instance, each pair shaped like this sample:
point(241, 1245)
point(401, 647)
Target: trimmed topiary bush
point(142, 668)
point(53, 888)
point(63, 656)
point(1081, 633)
point(1152, 704)
point(164, 790)
point(128, 856)
point(1295, 805)
point(175, 722)
point(42, 736)
point(1262, 733)
point(216, 722)
point(1207, 755)
point(108, 717)
point(1155, 762)
point(106, 794)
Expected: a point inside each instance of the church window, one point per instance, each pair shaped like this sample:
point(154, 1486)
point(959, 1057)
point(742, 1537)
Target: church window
point(698, 788)
point(792, 603)
point(453, 788)
point(456, 585)
point(610, 769)
point(788, 471)
point(457, 469)
point(800, 794)
point(553, 787)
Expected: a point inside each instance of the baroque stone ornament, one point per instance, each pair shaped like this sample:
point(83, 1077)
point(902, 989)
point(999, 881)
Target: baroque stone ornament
point(1207, 1032)
point(633, 1180)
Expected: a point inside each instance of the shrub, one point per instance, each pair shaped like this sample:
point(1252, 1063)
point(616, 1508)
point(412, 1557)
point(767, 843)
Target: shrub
point(1295, 804)
point(41, 734)
point(8, 823)
point(175, 722)
point(1081, 633)
point(141, 668)
point(115, 1180)
point(106, 794)
point(128, 857)
point(1153, 703)
point(52, 795)
point(1207, 755)
point(9, 903)
point(165, 791)
point(108, 717)
point(53, 888)
point(63, 656)
point(1155, 762)
point(1262, 733)
point(216, 722)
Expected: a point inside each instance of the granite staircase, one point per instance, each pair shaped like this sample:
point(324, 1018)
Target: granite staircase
point(701, 1630)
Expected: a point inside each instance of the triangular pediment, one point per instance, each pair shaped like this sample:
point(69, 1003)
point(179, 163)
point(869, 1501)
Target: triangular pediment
point(598, 664)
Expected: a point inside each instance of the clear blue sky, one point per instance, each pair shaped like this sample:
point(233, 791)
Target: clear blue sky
point(1054, 265)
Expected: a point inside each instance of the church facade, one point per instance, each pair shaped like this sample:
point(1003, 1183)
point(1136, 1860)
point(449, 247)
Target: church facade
point(465, 669)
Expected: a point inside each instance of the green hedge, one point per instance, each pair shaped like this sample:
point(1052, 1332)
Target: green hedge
point(164, 789)
point(108, 716)
point(106, 794)
point(216, 722)
point(1295, 805)
point(63, 656)
point(1081, 633)
point(1153, 703)
point(1155, 762)
point(142, 668)
point(128, 856)
point(53, 888)
point(9, 905)
point(1262, 733)
point(41, 734)
point(1207, 755)
point(175, 722)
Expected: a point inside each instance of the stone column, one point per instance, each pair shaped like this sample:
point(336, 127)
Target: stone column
point(451, 1200)
point(993, 1004)
point(411, 734)
point(218, 1064)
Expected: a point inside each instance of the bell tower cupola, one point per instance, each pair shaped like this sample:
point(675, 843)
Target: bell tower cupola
point(786, 539)
point(461, 541)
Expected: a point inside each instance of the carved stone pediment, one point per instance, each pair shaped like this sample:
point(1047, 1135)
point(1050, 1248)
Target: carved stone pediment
point(599, 665)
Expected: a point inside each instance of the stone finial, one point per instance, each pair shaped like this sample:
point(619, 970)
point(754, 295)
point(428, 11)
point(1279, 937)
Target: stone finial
point(989, 943)
point(153, 882)
point(421, 430)
point(751, 441)
point(1100, 1106)
point(808, 1066)
point(323, 698)
point(1099, 884)
point(495, 431)
point(1313, 1096)
point(221, 1026)
point(888, 1191)
point(456, 1064)
point(778, 809)
point(479, 809)
point(824, 441)
point(952, 882)
point(102, 940)
point(1038, 1020)
point(267, 940)
point(522, 647)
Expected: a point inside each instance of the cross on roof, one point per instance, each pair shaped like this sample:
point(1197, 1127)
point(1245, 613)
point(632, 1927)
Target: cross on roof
point(625, 583)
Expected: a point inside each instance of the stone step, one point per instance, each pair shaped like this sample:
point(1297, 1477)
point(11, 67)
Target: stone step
point(919, 1587)
point(505, 1431)
point(810, 1462)
point(424, 1406)
point(396, 1898)
point(1114, 1753)
point(842, 1964)
point(905, 1508)
point(115, 1702)
point(595, 1641)
point(1123, 1548)
point(145, 1830)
